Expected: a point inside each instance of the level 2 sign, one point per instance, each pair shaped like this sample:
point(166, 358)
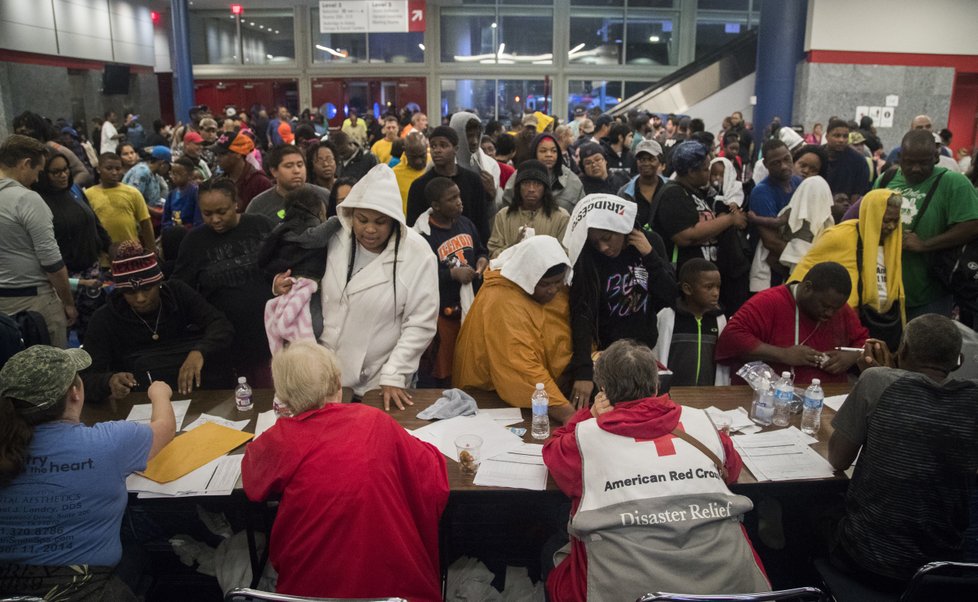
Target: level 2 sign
point(371, 16)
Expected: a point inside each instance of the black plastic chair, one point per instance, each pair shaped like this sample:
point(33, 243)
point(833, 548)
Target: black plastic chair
point(933, 581)
point(943, 581)
point(246, 594)
point(798, 593)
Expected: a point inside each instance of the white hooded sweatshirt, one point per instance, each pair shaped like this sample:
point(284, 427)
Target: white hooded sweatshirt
point(377, 327)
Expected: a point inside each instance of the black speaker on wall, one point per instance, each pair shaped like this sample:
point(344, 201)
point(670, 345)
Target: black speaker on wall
point(115, 79)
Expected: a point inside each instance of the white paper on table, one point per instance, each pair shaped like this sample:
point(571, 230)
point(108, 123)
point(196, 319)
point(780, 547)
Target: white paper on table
point(793, 462)
point(141, 412)
point(237, 425)
point(504, 416)
point(496, 438)
point(739, 418)
point(265, 421)
point(522, 468)
point(835, 401)
point(217, 477)
point(786, 436)
point(782, 455)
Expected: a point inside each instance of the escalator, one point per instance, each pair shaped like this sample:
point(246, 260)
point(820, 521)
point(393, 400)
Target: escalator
point(698, 80)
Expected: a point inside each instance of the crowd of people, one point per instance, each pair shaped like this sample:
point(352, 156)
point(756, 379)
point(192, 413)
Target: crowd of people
point(587, 256)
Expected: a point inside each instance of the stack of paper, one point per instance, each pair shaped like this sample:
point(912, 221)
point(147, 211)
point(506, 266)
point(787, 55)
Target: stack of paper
point(217, 477)
point(739, 419)
point(522, 468)
point(782, 455)
point(237, 425)
point(496, 438)
point(504, 416)
point(141, 412)
point(265, 421)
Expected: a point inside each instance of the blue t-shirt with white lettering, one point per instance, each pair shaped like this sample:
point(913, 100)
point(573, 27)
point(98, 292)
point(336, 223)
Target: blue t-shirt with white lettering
point(67, 506)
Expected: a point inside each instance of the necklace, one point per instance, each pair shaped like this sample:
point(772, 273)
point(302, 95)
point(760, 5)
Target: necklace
point(155, 328)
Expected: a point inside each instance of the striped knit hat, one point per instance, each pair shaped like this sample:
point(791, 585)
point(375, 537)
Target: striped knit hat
point(133, 267)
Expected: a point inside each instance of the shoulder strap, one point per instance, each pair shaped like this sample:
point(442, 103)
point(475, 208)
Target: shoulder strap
point(721, 468)
point(859, 265)
point(930, 195)
point(888, 176)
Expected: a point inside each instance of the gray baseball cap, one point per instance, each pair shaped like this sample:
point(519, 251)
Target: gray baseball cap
point(649, 146)
point(40, 375)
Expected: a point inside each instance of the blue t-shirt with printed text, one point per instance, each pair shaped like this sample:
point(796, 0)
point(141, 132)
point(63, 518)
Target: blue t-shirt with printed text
point(67, 506)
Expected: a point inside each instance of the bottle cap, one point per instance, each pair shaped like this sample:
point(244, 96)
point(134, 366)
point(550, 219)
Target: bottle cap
point(539, 386)
point(242, 380)
point(786, 374)
point(816, 381)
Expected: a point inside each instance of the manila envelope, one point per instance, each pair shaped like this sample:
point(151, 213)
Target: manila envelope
point(190, 451)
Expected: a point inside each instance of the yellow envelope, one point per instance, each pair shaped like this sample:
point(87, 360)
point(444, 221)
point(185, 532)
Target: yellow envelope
point(190, 451)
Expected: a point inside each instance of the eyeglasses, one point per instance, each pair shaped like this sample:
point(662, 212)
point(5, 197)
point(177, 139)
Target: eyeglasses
point(598, 160)
point(58, 172)
point(210, 130)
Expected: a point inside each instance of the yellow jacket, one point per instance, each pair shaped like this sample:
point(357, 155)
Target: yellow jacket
point(838, 244)
point(509, 343)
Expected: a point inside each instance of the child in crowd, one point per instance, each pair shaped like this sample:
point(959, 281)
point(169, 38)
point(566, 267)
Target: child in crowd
point(461, 260)
point(298, 246)
point(688, 334)
point(181, 205)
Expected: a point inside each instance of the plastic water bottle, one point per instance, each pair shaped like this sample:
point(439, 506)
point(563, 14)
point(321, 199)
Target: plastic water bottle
point(762, 410)
point(784, 394)
point(811, 417)
point(540, 403)
point(242, 395)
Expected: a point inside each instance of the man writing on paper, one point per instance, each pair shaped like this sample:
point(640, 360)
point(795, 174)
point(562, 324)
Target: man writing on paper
point(63, 484)
point(799, 327)
point(148, 326)
point(650, 508)
point(908, 499)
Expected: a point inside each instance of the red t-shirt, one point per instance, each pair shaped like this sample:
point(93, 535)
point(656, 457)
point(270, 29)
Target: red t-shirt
point(769, 317)
point(360, 504)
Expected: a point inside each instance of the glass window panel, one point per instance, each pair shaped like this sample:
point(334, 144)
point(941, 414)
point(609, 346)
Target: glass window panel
point(650, 3)
point(484, 39)
point(618, 3)
point(635, 87)
point(650, 41)
point(512, 98)
point(724, 4)
point(266, 37)
point(396, 47)
point(468, 38)
point(593, 95)
point(527, 39)
point(336, 47)
point(713, 32)
point(596, 40)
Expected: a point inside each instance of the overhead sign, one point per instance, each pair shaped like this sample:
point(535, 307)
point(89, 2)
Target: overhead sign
point(371, 16)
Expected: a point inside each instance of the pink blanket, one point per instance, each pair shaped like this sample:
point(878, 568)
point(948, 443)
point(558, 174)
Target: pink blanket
point(287, 317)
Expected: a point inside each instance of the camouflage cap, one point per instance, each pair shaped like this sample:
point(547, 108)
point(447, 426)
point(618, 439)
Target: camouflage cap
point(40, 375)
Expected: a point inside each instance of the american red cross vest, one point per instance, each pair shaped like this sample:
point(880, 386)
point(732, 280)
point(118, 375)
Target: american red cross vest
point(655, 515)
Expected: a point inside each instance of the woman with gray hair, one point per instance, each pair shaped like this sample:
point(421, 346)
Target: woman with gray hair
point(653, 493)
point(352, 483)
point(684, 216)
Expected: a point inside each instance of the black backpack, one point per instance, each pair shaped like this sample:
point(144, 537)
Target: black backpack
point(33, 328)
point(10, 340)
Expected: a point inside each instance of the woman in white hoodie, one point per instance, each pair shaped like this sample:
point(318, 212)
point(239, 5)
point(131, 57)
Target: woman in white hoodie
point(379, 293)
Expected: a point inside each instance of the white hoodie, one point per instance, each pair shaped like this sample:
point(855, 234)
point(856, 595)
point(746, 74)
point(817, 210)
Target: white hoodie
point(378, 338)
